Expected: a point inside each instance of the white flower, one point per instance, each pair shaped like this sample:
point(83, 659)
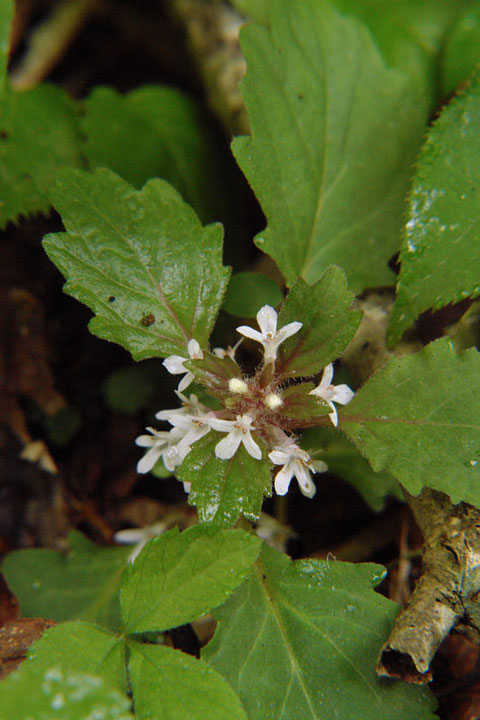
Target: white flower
point(330, 393)
point(139, 537)
point(269, 337)
point(238, 432)
point(174, 363)
point(162, 444)
point(229, 352)
point(296, 462)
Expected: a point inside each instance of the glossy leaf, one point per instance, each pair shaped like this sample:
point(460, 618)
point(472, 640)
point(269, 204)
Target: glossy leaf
point(38, 135)
point(224, 489)
point(82, 585)
point(300, 640)
point(50, 693)
point(328, 324)
point(153, 131)
point(419, 419)
point(180, 576)
point(140, 260)
point(81, 647)
point(334, 135)
point(167, 683)
point(247, 292)
point(441, 253)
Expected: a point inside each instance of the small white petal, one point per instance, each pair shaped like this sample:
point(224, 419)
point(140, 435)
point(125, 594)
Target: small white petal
point(174, 364)
point(130, 536)
point(267, 320)
point(219, 352)
point(221, 425)
point(185, 381)
point(227, 447)
point(282, 480)
point(149, 460)
point(319, 466)
point(327, 377)
point(333, 415)
point(251, 333)
point(251, 446)
point(194, 350)
point(278, 457)
point(342, 394)
point(288, 330)
point(304, 480)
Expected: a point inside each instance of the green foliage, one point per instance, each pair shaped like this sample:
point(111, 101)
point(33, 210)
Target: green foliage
point(153, 132)
point(247, 292)
point(441, 253)
point(81, 647)
point(224, 489)
point(38, 135)
point(328, 324)
point(140, 259)
point(344, 460)
point(169, 684)
point(419, 419)
point(317, 110)
point(183, 575)
point(294, 633)
point(460, 56)
point(52, 693)
point(82, 585)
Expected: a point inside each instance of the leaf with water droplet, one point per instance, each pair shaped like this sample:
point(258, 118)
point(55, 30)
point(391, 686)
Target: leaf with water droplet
point(224, 489)
point(441, 253)
point(295, 632)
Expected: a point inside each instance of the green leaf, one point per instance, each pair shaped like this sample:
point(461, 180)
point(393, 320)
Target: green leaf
point(140, 260)
point(38, 135)
point(6, 15)
point(214, 373)
point(168, 683)
point(410, 34)
point(247, 292)
point(334, 134)
point(294, 634)
point(298, 404)
point(441, 253)
point(153, 131)
point(328, 324)
point(344, 460)
point(224, 489)
point(419, 419)
point(81, 647)
point(460, 57)
point(54, 694)
point(82, 585)
point(180, 576)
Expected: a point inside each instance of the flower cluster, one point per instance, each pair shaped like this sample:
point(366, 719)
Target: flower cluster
point(252, 412)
